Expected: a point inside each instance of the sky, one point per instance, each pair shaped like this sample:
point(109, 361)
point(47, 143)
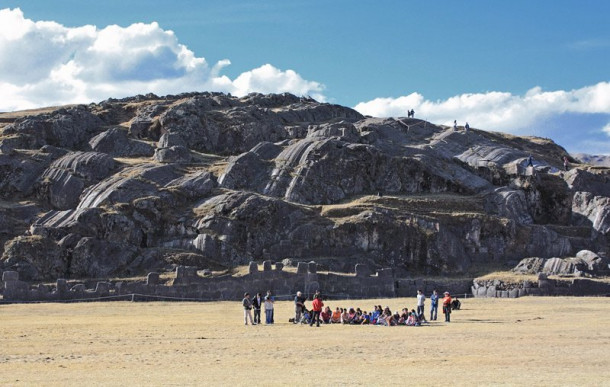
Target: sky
point(524, 67)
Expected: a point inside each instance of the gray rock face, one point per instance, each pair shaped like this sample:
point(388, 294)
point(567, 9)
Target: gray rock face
point(63, 182)
point(116, 143)
point(66, 128)
point(217, 124)
point(592, 210)
point(98, 259)
point(582, 180)
point(268, 177)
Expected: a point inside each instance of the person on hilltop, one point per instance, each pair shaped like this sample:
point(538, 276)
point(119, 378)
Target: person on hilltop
point(247, 304)
point(316, 309)
point(421, 299)
point(454, 124)
point(447, 307)
point(566, 163)
point(433, 305)
point(299, 306)
point(467, 127)
point(257, 302)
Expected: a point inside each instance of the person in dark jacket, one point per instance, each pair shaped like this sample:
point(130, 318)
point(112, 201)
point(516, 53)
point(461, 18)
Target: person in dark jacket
point(256, 304)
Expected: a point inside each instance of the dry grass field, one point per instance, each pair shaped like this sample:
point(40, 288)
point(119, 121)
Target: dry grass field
point(527, 341)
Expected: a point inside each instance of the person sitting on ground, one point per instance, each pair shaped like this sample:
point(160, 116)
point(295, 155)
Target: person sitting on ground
point(336, 316)
point(386, 317)
point(395, 318)
point(375, 315)
point(456, 304)
point(411, 320)
point(345, 317)
point(326, 315)
point(351, 315)
point(305, 316)
point(366, 318)
point(404, 315)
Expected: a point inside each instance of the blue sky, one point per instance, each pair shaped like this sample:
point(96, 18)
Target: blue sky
point(525, 67)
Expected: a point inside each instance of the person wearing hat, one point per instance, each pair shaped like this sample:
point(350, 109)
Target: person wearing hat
point(447, 307)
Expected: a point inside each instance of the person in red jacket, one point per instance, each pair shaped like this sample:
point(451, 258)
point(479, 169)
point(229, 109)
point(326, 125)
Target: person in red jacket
point(447, 307)
point(316, 309)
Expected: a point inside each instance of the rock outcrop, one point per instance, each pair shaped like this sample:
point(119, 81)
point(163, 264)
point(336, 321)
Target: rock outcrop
point(125, 186)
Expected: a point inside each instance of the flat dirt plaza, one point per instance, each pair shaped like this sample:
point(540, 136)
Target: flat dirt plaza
point(529, 341)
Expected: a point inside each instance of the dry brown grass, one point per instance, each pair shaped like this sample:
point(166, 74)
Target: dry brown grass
point(527, 341)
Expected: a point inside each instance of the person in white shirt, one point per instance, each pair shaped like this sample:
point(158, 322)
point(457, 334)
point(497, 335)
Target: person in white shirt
point(420, 302)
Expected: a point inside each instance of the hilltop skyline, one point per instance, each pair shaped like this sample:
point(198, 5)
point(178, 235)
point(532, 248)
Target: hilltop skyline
point(516, 67)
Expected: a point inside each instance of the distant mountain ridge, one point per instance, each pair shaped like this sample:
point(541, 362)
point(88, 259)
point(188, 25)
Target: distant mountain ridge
point(596, 160)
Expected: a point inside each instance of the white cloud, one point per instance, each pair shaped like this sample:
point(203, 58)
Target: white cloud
point(496, 110)
point(606, 129)
point(45, 63)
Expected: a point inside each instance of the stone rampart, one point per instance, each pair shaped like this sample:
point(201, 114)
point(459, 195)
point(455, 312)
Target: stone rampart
point(189, 285)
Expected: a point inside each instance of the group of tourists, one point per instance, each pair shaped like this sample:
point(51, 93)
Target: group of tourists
point(378, 316)
point(258, 303)
point(321, 314)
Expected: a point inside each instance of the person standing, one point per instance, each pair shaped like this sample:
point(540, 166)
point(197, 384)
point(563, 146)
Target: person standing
point(455, 125)
point(268, 310)
point(247, 309)
point(257, 302)
point(566, 163)
point(466, 127)
point(272, 299)
point(316, 309)
point(447, 307)
point(421, 299)
point(299, 305)
point(433, 305)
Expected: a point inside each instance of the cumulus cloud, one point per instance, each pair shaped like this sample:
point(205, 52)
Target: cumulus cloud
point(45, 63)
point(496, 110)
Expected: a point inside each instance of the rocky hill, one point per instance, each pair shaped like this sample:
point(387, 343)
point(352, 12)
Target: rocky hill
point(209, 180)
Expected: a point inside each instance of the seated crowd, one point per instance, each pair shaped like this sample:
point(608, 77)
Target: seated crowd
point(379, 316)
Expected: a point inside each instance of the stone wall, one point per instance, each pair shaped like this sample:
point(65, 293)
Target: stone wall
point(189, 285)
point(543, 286)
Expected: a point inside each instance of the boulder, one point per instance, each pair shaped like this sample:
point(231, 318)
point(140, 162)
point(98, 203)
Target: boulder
point(173, 154)
point(116, 143)
point(35, 258)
